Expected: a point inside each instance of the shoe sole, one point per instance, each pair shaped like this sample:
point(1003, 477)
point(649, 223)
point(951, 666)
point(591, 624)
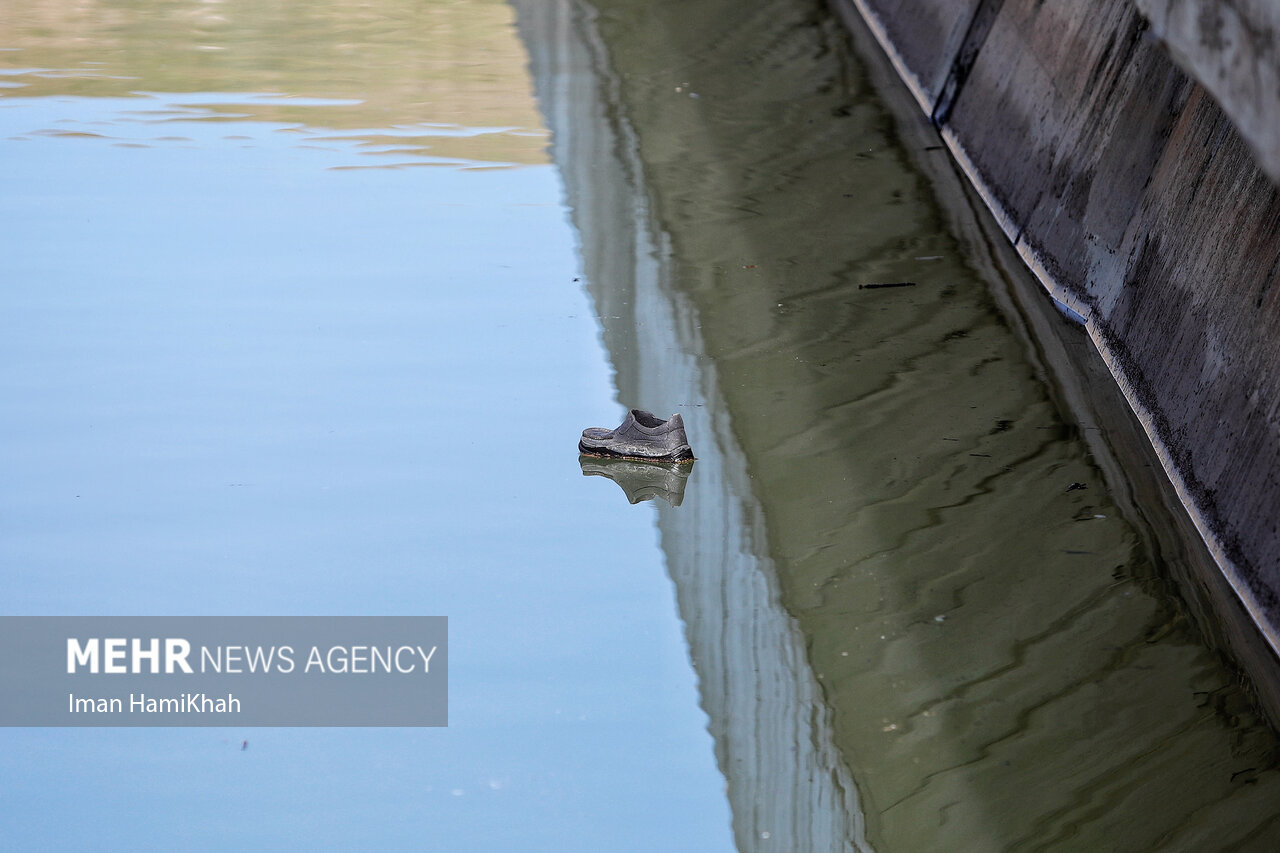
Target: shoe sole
point(680, 456)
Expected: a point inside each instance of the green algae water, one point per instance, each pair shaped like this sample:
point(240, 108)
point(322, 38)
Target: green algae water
point(283, 286)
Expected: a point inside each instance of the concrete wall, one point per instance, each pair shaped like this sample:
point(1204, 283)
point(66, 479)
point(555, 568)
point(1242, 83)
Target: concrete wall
point(1233, 49)
point(1139, 204)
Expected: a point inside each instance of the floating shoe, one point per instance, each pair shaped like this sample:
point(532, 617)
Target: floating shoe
point(641, 436)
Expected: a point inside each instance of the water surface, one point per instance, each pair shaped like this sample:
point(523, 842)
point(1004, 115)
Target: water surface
point(282, 283)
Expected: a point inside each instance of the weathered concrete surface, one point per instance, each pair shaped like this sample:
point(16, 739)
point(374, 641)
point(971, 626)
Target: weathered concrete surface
point(1137, 203)
point(1232, 47)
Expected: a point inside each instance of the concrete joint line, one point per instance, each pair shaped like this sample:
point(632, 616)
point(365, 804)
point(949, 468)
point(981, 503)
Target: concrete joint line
point(974, 37)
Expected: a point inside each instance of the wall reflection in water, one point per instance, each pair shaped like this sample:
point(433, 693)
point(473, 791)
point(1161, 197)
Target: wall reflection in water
point(786, 782)
point(919, 618)
point(400, 79)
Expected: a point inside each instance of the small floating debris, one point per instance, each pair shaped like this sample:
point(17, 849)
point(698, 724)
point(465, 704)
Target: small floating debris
point(1075, 487)
point(887, 284)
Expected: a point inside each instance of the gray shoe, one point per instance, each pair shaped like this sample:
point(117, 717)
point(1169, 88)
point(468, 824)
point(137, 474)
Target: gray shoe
point(641, 481)
point(642, 436)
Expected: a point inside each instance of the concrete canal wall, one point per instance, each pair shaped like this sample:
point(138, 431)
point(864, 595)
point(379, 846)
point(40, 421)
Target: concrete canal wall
point(1125, 148)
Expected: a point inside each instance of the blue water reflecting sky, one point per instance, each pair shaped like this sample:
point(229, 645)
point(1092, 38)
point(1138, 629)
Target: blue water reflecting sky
point(241, 377)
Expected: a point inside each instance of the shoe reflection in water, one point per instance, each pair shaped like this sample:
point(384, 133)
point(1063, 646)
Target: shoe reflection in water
point(641, 481)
